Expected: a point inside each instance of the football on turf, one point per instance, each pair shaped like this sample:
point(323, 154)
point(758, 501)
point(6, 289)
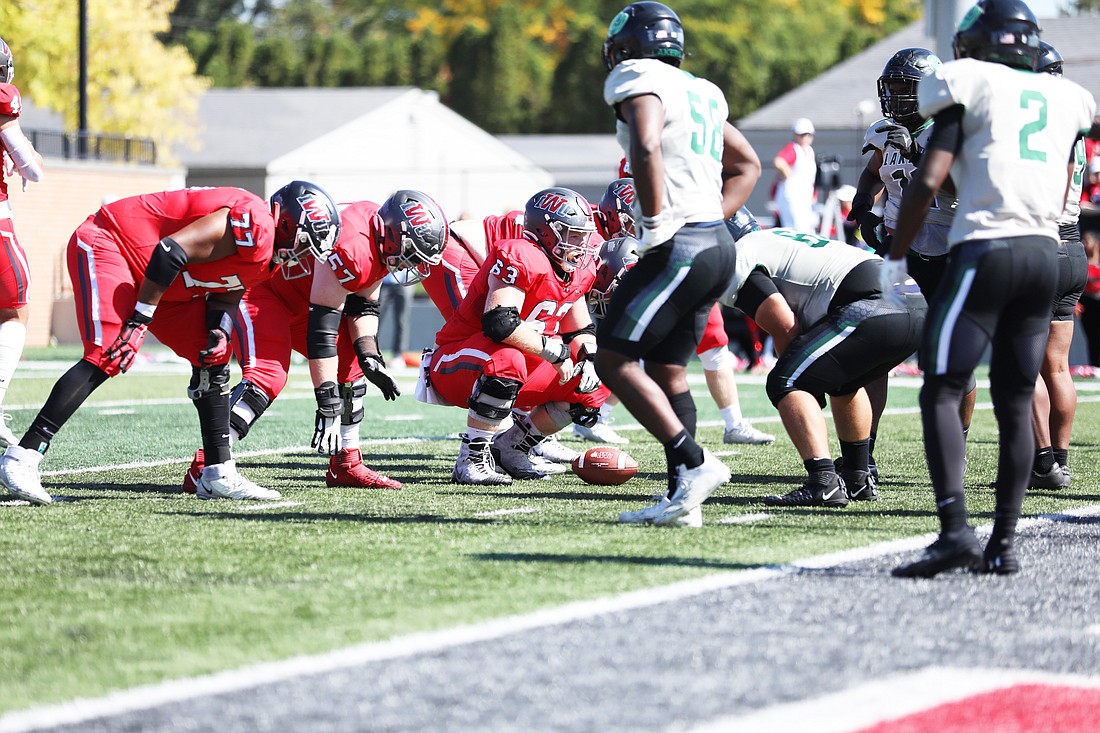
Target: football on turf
point(605, 465)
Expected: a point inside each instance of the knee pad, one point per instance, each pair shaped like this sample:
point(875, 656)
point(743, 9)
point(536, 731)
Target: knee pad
point(247, 403)
point(584, 415)
point(353, 393)
point(206, 381)
point(493, 398)
point(717, 359)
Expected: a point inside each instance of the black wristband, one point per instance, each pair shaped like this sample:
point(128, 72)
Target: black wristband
point(220, 319)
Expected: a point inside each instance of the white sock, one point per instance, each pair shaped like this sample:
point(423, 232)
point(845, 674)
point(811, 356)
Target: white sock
point(13, 335)
point(731, 415)
point(605, 412)
point(349, 435)
point(475, 433)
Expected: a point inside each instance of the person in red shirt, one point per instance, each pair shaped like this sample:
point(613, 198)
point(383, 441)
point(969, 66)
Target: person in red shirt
point(518, 340)
point(174, 263)
point(327, 309)
point(19, 156)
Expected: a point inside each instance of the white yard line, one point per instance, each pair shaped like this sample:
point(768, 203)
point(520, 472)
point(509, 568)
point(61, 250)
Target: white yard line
point(153, 695)
point(744, 518)
point(505, 512)
point(268, 505)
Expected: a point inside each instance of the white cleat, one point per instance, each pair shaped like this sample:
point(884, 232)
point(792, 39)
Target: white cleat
point(540, 463)
point(601, 432)
point(19, 474)
point(655, 514)
point(7, 437)
point(744, 433)
point(553, 450)
point(223, 481)
point(695, 485)
point(475, 465)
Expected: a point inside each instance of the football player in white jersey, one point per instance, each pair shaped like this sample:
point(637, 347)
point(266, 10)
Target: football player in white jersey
point(1055, 396)
point(820, 301)
point(691, 169)
point(1006, 136)
point(896, 144)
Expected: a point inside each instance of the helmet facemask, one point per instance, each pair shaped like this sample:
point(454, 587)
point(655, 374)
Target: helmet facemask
point(573, 250)
point(403, 256)
point(898, 98)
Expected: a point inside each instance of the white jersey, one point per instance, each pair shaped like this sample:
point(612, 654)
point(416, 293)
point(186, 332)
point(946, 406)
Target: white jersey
point(1019, 129)
point(807, 269)
point(692, 140)
point(896, 172)
point(1072, 213)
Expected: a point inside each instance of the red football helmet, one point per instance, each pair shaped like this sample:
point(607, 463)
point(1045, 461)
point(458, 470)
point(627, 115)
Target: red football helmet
point(615, 212)
point(414, 235)
point(560, 220)
point(306, 221)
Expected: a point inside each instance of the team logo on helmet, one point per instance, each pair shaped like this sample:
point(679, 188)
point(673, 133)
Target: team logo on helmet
point(555, 203)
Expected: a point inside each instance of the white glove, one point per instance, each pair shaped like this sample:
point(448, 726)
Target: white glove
point(589, 382)
point(890, 278)
point(658, 229)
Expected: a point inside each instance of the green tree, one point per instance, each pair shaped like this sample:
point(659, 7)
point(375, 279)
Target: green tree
point(136, 85)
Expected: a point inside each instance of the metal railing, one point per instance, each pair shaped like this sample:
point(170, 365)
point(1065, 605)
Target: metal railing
point(93, 146)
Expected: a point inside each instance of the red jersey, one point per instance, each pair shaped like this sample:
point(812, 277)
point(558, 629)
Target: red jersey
point(138, 223)
point(525, 265)
point(355, 258)
point(449, 281)
point(509, 226)
point(11, 105)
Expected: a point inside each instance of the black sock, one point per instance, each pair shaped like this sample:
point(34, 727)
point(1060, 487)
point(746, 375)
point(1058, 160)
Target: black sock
point(857, 454)
point(1062, 456)
point(683, 450)
point(684, 407)
point(871, 449)
point(68, 394)
point(1044, 460)
point(819, 468)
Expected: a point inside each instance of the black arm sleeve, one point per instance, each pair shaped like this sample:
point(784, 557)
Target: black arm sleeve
point(758, 287)
point(947, 133)
point(324, 322)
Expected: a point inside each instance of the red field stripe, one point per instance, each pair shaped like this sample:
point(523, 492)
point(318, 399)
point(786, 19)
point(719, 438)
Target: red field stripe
point(1025, 708)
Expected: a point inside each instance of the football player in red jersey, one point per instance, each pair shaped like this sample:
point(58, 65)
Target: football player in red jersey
point(327, 309)
point(175, 263)
point(18, 156)
point(615, 218)
point(517, 340)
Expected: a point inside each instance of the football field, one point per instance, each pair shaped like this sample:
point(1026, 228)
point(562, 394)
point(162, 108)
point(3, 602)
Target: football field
point(459, 597)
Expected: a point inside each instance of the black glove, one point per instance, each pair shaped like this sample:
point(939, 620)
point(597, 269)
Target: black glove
point(867, 220)
point(899, 137)
point(374, 368)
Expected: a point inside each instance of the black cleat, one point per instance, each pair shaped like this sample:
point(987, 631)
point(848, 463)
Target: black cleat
point(831, 493)
point(861, 485)
point(999, 560)
point(957, 550)
point(838, 466)
point(1055, 479)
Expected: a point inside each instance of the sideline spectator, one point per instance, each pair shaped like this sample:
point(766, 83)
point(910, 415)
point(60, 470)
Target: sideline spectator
point(796, 167)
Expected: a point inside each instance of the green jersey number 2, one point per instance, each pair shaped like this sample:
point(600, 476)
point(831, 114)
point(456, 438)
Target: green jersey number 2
point(706, 138)
point(1032, 101)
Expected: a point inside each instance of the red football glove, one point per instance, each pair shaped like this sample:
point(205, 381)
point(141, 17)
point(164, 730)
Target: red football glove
point(120, 356)
point(217, 349)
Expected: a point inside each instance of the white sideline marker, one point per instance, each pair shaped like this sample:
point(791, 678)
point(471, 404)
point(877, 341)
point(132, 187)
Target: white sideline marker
point(149, 696)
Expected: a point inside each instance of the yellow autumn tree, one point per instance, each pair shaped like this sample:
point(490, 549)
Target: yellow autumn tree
point(136, 85)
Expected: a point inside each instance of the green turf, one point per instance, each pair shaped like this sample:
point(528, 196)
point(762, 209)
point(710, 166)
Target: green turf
point(131, 581)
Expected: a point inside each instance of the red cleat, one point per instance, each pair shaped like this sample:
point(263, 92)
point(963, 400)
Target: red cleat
point(191, 479)
point(346, 468)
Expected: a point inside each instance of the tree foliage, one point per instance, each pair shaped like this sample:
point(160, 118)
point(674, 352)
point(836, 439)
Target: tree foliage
point(522, 65)
point(136, 84)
